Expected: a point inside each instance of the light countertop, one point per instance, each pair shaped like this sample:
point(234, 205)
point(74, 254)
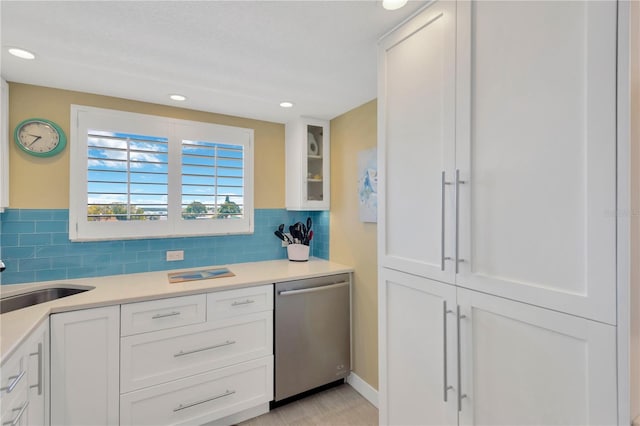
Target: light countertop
point(16, 326)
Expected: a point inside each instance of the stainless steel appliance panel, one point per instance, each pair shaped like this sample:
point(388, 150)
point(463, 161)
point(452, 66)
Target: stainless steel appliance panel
point(312, 333)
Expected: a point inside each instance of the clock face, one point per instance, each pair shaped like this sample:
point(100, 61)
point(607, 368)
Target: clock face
point(41, 138)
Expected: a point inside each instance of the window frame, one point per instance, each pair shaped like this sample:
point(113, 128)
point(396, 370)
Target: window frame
point(84, 118)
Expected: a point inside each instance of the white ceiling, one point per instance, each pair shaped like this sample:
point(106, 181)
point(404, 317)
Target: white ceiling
point(232, 57)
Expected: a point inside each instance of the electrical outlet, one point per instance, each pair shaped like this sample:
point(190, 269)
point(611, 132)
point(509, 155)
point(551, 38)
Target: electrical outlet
point(175, 255)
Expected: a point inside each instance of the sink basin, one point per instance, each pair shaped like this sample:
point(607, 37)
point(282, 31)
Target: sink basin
point(23, 300)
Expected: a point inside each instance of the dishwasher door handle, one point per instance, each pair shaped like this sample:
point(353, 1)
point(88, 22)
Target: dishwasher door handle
point(312, 289)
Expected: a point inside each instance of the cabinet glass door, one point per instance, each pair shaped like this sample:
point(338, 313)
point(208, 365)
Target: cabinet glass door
point(315, 159)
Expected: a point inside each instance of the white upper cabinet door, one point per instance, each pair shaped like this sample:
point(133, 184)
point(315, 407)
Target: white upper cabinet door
point(417, 351)
point(536, 147)
point(307, 172)
point(524, 365)
point(416, 125)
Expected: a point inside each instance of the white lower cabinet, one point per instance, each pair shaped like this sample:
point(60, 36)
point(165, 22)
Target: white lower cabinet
point(24, 382)
point(202, 372)
point(451, 355)
point(182, 360)
point(201, 398)
point(84, 367)
point(37, 353)
point(152, 358)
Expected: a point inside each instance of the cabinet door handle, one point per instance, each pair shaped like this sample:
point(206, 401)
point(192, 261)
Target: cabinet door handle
point(445, 311)
point(313, 289)
point(14, 382)
point(169, 314)
point(244, 302)
point(443, 184)
point(193, 404)
point(461, 396)
point(39, 353)
point(16, 419)
point(457, 232)
point(219, 345)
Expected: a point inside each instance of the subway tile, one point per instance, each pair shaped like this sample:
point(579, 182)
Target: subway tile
point(96, 259)
point(11, 227)
point(60, 214)
point(51, 275)
point(34, 264)
point(134, 268)
point(136, 245)
point(35, 215)
point(60, 238)
point(35, 239)
point(10, 215)
point(9, 277)
point(66, 262)
point(9, 240)
point(52, 250)
point(51, 226)
point(151, 256)
point(17, 252)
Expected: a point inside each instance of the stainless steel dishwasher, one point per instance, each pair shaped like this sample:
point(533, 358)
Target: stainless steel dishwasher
point(312, 333)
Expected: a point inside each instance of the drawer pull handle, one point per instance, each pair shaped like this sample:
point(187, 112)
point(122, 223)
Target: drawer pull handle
point(313, 289)
point(245, 302)
point(40, 362)
point(16, 420)
point(193, 404)
point(169, 314)
point(219, 345)
point(14, 382)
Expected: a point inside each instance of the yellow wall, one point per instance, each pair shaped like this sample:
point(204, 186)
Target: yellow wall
point(44, 182)
point(353, 242)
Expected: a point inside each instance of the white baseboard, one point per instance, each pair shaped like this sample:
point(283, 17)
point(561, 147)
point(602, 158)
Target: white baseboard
point(363, 388)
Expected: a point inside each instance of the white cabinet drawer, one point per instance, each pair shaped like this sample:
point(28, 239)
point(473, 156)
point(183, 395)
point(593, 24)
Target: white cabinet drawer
point(13, 393)
point(154, 358)
point(161, 314)
point(15, 410)
point(201, 398)
point(229, 303)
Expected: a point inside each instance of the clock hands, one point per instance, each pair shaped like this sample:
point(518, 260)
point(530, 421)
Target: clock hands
point(37, 138)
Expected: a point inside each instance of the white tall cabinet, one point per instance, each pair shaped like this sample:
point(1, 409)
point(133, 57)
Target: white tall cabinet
point(497, 229)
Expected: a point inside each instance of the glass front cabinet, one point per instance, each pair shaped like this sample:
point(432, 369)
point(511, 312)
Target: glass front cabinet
point(307, 164)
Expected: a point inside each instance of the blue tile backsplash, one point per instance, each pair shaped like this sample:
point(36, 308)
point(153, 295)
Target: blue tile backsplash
point(35, 247)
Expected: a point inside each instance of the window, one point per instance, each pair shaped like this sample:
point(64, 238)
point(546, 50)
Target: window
point(142, 176)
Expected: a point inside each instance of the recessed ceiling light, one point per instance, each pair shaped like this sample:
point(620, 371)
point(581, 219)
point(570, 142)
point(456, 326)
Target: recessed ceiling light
point(177, 97)
point(393, 4)
point(286, 104)
point(21, 53)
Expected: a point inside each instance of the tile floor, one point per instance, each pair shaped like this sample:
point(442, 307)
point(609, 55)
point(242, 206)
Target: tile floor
point(339, 406)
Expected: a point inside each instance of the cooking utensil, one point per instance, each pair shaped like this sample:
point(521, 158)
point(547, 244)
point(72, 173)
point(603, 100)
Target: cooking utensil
point(294, 234)
point(283, 236)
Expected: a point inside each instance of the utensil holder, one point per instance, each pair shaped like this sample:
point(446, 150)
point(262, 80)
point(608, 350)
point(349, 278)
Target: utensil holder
point(298, 252)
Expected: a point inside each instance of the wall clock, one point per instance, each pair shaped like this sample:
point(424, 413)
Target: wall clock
point(40, 137)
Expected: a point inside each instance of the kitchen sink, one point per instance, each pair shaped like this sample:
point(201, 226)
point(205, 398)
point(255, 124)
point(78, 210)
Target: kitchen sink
point(23, 300)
